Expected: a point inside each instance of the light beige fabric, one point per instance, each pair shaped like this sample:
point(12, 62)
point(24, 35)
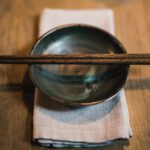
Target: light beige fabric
point(60, 126)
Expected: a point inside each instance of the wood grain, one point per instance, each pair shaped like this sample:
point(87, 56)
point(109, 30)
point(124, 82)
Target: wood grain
point(18, 31)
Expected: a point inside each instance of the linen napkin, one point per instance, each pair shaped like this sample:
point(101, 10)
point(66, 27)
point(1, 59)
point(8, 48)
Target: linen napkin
point(56, 125)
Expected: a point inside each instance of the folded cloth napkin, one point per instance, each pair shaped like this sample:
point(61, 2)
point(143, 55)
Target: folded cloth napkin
point(56, 125)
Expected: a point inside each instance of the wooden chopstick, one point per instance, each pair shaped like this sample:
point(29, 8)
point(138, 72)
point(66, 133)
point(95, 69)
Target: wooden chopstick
point(130, 59)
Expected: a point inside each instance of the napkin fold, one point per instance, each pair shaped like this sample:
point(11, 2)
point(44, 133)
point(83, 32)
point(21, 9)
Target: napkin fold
point(56, 125)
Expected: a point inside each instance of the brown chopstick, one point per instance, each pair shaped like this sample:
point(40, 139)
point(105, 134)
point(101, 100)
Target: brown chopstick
point(129, 59)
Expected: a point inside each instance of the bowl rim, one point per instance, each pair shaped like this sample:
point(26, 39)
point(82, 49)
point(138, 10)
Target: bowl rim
point(79, 103)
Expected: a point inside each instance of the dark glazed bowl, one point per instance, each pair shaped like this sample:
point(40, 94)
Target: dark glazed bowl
point(78, 84)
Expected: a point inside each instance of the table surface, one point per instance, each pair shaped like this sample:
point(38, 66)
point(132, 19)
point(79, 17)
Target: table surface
point(19, 29)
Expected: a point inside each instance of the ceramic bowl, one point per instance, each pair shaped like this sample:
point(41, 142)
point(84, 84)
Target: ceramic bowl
point(78, 85)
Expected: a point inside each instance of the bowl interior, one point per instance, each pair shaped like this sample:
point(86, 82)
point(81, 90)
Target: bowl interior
point(78, 83)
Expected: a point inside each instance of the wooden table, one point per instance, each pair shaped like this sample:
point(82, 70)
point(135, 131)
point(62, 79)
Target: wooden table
point(18, 30)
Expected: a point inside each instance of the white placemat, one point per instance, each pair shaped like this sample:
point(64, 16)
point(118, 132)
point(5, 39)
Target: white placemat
point(56, 125)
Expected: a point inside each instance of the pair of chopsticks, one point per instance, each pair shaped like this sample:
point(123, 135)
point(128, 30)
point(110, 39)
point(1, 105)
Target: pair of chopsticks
point(129, 59)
